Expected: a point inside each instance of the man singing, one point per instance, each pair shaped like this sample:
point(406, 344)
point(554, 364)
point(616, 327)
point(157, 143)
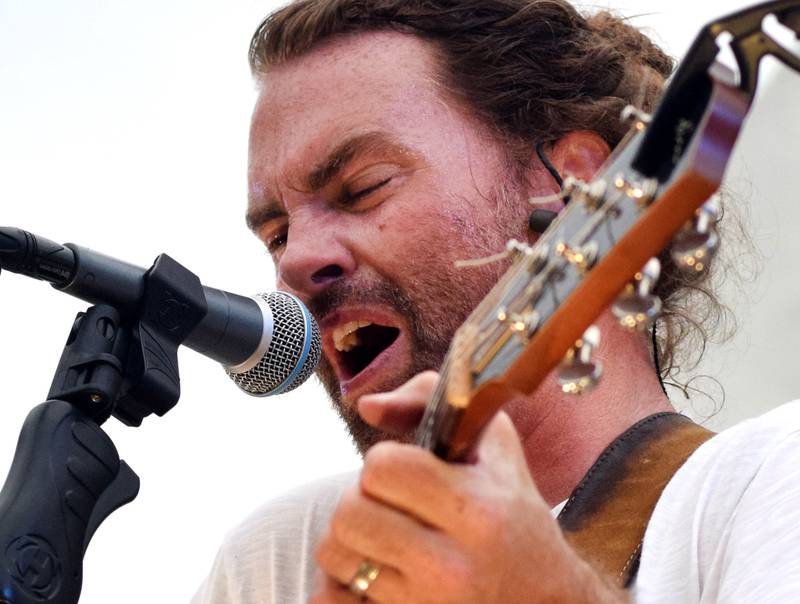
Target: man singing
point(391, 139)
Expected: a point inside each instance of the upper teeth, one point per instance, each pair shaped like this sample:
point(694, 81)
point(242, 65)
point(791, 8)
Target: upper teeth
point(345, 337)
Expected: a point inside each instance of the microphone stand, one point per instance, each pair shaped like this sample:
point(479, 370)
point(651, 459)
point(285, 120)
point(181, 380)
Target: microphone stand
point(66, 476)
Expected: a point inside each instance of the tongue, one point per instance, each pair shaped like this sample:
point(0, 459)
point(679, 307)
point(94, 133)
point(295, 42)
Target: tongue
point(373, 340)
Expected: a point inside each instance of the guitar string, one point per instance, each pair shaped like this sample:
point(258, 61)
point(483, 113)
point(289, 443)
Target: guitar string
point(437, 405)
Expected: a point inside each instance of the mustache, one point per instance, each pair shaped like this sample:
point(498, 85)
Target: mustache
point(383, 292)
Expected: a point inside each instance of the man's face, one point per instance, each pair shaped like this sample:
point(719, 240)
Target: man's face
point(367, 184)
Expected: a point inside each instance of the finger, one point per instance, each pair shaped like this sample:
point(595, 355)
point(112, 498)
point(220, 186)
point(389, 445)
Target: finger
point(329, 591)
point(440, 494)
point(415, 481)
point(500, 443)
point(499, 456)
point(400, 410)
point(372, 530)
point(342, 564)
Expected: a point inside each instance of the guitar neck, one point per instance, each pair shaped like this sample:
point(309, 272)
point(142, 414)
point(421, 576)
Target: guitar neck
point(438, 423)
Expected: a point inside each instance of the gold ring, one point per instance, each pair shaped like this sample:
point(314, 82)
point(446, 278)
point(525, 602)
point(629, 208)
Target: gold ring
point(365, 576)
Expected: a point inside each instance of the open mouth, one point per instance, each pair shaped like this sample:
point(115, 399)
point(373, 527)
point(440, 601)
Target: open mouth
point(359, 343)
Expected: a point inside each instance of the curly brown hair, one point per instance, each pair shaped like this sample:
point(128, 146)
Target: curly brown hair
point(532, 71)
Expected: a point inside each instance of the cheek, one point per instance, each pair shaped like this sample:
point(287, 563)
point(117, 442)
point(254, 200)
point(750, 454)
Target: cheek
point(414, 239)
point(419, 250)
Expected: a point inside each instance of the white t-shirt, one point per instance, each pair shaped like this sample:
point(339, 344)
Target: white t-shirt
point(726, 529)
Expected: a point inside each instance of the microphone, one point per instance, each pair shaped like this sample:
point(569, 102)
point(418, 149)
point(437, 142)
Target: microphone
point(268, 344)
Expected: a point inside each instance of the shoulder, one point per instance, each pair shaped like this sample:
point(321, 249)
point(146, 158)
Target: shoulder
point(732, 464)
point(303, 510)
point(268, 557)
point(726, 466)
point(728, 513)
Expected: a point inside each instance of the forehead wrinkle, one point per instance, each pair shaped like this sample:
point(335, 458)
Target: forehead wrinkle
point(262, 211)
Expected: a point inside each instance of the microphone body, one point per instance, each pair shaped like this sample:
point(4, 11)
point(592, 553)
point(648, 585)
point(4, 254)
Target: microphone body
point(121, 358)
point(268, 344)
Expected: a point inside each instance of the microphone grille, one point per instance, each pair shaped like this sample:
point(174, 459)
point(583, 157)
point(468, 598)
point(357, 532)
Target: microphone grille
point(292, 354)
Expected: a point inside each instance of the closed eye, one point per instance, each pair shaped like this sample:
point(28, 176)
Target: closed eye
point(349, 198)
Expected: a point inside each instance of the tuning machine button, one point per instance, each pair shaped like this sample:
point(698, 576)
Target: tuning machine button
point(523, 325)
point(578, 373)
point(641, 192)
point(581, 257)
point(637, 307)
point(517, 248)
point(694, 246)
point(634, 115)
point(592, 195)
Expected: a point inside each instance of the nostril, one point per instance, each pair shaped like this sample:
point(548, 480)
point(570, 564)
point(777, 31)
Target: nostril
point(326, 274)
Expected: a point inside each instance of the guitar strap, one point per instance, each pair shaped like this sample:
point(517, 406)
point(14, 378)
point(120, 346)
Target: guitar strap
point(606, 516)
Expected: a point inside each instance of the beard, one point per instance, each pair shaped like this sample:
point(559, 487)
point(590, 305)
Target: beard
point(436, 302)
point(429, 339)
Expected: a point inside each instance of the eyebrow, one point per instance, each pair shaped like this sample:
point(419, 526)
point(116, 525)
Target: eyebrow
point(258, 217)
point(322, 174)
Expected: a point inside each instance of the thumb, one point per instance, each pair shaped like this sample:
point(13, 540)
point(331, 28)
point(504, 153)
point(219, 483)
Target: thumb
point(500, 443)
point(400, 410)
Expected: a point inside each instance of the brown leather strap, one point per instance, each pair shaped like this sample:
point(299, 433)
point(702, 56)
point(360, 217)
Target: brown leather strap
point(606, 516)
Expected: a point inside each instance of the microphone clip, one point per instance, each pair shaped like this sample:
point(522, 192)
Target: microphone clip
point(127, 365)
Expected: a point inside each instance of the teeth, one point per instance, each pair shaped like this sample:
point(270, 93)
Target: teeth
point(345, 337)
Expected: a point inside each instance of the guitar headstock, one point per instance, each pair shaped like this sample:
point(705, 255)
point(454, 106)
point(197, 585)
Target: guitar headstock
point(656, 192)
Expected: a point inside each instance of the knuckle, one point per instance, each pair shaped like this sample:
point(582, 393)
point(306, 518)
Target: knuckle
point(323, 553)
point(380, 453)
point(388, 464)
point(349, 500)
point(378, 464)
point(489, 519)
point(342, 516)
point(340, 529)
point(453, 577)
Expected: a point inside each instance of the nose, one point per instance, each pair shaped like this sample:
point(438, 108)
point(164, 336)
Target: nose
point(315, 256)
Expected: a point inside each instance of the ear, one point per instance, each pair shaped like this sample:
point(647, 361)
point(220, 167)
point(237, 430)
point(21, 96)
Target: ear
point(579, 154)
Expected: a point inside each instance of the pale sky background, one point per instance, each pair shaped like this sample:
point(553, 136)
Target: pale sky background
point(123, 127)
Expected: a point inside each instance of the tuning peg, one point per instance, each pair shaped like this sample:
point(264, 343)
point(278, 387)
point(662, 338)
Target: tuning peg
point(581, 257)
point(640, 119)
point(514, 249)
point(696, 243)
point(641, 192)
point(523, 324)
point(577, 373)
point(637, 307)
point(569, 186)
point(591, 194)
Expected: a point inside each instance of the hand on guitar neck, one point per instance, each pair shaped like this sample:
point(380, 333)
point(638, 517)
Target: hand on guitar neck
point(477, 532)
